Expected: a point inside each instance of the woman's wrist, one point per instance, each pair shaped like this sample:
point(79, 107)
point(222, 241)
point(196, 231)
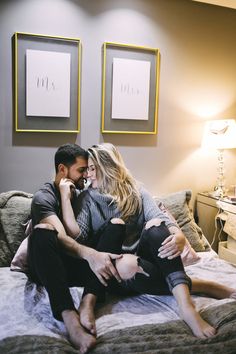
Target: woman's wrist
point(173, 229)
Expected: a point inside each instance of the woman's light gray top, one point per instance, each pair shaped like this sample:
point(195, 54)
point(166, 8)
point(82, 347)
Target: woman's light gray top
point(96, 208)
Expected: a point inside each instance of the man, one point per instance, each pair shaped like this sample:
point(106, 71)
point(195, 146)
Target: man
point(55, 259)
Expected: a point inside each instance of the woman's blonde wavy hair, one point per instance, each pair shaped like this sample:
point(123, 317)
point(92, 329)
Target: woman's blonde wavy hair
point(115, 179)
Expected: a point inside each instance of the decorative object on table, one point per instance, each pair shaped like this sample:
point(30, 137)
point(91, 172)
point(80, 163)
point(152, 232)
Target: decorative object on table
point(220, 134)
point(130, 89)
point(47, 83)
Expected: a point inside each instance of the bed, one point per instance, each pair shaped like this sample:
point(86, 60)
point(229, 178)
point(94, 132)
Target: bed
point(137, 324)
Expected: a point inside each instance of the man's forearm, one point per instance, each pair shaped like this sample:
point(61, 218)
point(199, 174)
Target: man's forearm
point(69, 245)
point(74, 248)
point(99, 262)
point(85, 252)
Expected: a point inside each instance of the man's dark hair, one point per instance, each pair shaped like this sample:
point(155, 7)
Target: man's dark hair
point(67, 154)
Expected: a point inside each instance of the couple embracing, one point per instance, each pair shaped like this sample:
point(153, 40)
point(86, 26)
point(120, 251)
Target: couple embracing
point(108, 237)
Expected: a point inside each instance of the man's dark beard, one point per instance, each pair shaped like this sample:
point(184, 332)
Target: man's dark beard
point(80, 183)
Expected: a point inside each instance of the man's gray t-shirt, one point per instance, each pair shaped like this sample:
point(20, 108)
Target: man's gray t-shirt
point(47, 201)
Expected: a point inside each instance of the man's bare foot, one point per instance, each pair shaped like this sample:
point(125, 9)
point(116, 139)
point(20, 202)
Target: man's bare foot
point(79, 338)
point(199, 326)
point(86, 312)
point(233, 295)
point(213, 289)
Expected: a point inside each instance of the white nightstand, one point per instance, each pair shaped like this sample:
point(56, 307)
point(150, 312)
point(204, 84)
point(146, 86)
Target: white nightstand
point(227, 249)
point(208, 219)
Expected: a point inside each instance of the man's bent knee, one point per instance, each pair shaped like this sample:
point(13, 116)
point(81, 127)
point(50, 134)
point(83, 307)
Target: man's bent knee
point(43, 235)
point(45, 226)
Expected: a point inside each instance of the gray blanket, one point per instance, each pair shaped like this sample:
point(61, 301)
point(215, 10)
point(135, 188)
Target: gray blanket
point(171, 337)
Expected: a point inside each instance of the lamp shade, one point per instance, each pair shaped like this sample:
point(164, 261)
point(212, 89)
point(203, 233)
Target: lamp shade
point(220, 134)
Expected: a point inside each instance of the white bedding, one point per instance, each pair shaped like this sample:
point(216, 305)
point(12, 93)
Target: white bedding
point(24, 308)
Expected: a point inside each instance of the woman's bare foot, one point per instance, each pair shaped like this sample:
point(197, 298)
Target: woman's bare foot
point(86, 312)
point(199, 327)
point(79, 338)
point(189, 314)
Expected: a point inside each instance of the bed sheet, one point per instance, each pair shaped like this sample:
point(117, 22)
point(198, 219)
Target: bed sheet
point(25, 309)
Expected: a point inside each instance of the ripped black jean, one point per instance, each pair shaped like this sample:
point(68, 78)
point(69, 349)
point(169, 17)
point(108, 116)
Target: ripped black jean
point(50, 267)
point(163, 274)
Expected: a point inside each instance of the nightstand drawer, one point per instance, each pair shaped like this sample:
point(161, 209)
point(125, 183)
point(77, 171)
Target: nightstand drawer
point(206, 199)
point(209, 219)
point(226, 254)
point(231, 243)
point(206, 212)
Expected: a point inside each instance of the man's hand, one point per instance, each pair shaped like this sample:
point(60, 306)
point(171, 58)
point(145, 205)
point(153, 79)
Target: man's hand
point(173, 245)
point(102, 266)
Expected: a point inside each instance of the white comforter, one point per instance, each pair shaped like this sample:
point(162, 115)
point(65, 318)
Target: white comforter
point(24, 308)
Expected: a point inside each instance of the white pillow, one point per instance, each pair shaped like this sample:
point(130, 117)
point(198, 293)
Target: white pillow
point(19, 262)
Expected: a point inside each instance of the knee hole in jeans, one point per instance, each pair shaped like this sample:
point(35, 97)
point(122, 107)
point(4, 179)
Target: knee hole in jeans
point(128, 266)
point(117, 221)
point(153, 222)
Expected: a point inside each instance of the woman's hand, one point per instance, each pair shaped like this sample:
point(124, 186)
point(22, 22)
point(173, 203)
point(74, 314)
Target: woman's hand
point(66, 187)
point(173, 245)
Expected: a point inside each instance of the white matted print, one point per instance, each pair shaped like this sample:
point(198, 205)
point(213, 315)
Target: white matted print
point(47, 83)
point(130, 89)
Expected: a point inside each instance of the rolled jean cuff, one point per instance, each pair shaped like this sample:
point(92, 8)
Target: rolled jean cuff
point(177, 278)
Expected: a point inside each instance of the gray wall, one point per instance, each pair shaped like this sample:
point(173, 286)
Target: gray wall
point(197, 83)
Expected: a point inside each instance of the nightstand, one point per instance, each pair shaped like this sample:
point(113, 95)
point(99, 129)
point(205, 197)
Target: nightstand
point(227, 249)
point(209, 219)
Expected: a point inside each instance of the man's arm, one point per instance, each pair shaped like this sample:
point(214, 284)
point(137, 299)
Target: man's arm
point(99, 262)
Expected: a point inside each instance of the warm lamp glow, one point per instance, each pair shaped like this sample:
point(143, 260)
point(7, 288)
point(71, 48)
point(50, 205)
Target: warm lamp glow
point(220, 135)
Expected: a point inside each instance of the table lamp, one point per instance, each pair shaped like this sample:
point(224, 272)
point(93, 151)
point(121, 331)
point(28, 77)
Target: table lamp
point(220, 134)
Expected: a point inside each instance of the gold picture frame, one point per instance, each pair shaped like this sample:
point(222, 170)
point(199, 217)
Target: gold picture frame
point(112, 51)
point(53, 45)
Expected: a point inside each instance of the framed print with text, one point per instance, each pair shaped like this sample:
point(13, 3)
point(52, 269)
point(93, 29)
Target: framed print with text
point(130, 89)
point(47, 83)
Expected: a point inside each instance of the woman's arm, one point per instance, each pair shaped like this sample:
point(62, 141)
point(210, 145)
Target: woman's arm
point(174, 244)
point(152, 211)
point(66, 187)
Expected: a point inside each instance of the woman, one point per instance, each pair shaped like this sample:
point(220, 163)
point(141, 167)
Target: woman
point(119, 216)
